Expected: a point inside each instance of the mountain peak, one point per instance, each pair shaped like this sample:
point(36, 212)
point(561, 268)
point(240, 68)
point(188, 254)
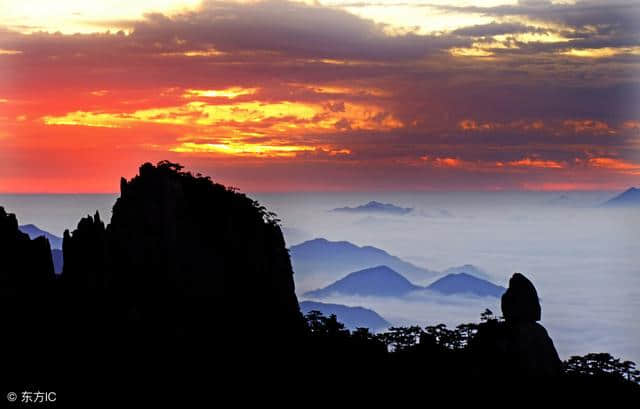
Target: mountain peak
point(351, 317)
point(375, 207)
point(34, 231)
point(628, 198)
point(464, 283)
point(375, 281)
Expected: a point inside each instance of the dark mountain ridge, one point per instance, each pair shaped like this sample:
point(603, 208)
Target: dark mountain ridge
point(628, 198)
point(376, 281)
point(333, 259)
point(381, 281)
point(375, 207)
point(351, 317)
point(463, 283)
point(191, 284)
point(34, 231)
point(176, 276)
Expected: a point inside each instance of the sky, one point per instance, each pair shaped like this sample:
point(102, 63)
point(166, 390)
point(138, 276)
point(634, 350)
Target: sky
point(276, 96)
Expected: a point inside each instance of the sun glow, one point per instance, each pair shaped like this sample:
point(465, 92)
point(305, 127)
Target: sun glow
point(604, 52)
point(230, 93)
point(277, 117)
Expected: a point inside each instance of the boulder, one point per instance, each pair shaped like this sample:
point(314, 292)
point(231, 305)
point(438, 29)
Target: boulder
point(519, 346)
point(520, 302)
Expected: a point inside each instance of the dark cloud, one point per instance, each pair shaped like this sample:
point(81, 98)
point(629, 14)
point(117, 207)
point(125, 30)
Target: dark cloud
point(494, 28)
point(593, 23)
point(292, 29)
point(289, 50)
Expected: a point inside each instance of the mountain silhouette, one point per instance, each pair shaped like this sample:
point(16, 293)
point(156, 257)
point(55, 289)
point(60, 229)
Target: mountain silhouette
point(325, 260)
point(468, 269)
point(463, 283)
point(34, 231)
point(180, 249)
point(187, 271)
point(58, 260)
point(375, 207)
point(55, 242)
point(377, 281)
point(518, 347)
point(628, 198)
point(351, 317)
point(191, 284)
point(385, 282)
point(26, 266)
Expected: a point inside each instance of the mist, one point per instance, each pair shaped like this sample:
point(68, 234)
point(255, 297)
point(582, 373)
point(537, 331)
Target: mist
point(583, 259)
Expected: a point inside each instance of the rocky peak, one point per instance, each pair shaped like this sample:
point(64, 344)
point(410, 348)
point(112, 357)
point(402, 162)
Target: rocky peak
point(520, 302)
point(26, 264)
point(519, 346)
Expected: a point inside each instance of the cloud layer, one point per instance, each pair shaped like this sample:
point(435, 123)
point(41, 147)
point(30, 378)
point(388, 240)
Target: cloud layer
point(277, 95)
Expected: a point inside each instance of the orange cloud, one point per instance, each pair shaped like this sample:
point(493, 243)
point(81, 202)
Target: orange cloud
point(480, 165)
point(631, 124)
point(448, 162)
point(268, 117)
point(536, 163)
point(238, 148)
point(587, 125)
point(563, 186)
point(615, 164)
point(229, 93)
point(473, 125)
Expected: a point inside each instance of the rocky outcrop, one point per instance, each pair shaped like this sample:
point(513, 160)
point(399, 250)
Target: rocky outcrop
point(26, 264)
point(520, 303)
point(186, 258)
point(85, 256)
point(518, 346)
point(26, 283)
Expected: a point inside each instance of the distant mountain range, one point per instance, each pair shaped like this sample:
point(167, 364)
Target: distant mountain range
point(55, 242)
point(326, 261)
point(463, 283)
point(382, 281)
point(375, 207)
point(34, 231)
point(57, 257)
point(351, 317)
point(378, 281)
point(469, 269)
point(628, 198)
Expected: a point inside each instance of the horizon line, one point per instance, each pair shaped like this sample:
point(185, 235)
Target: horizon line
point(347, 191)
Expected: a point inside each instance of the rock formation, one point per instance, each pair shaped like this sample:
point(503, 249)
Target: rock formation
point(26, 264)
point(520, 302)
point(186, 259)
point(85, 256)
point(26, 281)
point(519, 346)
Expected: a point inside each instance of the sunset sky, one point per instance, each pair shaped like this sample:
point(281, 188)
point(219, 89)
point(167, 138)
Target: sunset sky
point(337, 95)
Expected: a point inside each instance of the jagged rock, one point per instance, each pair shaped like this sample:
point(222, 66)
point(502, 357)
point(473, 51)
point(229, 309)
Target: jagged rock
point(85, 256)
point(26, 264)
point(520, 302)
point(187, 258)
point(519, 346)
point(26, 281)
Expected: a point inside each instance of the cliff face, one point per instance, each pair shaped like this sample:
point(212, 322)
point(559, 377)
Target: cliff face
point(186, 257)
point(85, 256)
point(26, 281)
point(26, 264)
